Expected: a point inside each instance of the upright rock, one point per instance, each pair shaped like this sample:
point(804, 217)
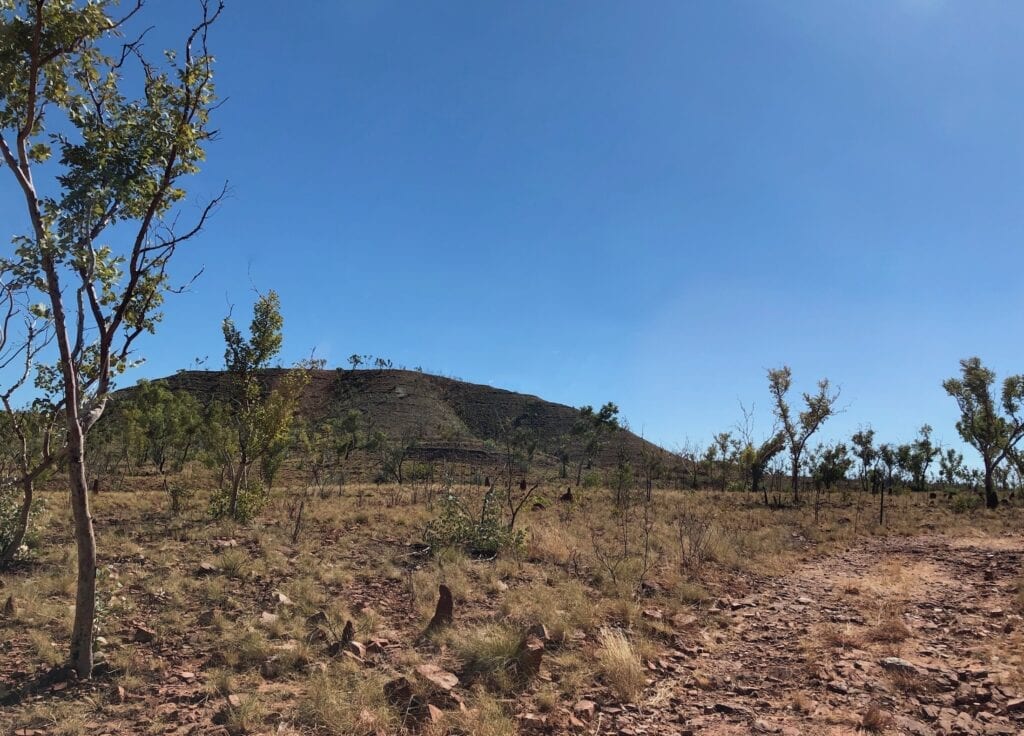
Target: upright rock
point(445, 611)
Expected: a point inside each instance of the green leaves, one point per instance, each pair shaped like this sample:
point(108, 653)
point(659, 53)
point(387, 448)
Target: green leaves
point(981, 424)
point(246, 355)
point(98, 230)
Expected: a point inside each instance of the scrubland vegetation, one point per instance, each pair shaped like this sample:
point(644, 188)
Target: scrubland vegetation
point(276, 564)
point(245, 560)
point(243, 625)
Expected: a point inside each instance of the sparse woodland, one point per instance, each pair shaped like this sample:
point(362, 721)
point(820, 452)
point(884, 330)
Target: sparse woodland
point(265, 556)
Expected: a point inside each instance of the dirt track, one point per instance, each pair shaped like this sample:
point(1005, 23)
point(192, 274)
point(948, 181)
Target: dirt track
point(815, 650)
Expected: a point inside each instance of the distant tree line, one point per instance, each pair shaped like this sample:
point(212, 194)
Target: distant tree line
point(990, 421)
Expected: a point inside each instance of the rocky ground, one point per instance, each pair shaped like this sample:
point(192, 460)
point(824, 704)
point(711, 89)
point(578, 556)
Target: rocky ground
point(244, 633)
point(896, 635)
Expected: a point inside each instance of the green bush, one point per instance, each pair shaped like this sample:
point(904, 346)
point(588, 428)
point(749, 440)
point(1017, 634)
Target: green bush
point(181, 496)
point(965, 502)
point(10, 510)
point(252, 497)
point(483, 535)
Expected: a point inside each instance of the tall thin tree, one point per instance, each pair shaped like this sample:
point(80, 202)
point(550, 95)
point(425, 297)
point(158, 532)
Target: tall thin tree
point(102, 222)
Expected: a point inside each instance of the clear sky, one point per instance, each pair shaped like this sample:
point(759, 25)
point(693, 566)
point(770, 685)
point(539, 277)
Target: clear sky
point(650, 202)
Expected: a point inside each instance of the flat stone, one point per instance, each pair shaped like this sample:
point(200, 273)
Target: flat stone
point(438, 677)
point(900, 665)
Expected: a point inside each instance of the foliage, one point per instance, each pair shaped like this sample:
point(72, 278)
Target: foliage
point(10, 523)
point(254, 424)
point(916, 457)
point(181, 495)
point(100, 220)
point(392, 452)
point(994, 428)
point(166, 423)
point(829, 465)
point(590, 432)
point(485, 534)
point(964, 502)
point(753, 460)
point(864, 450)
point(326, 445)
point(951, 466)
point(622, 483)
point(242, 504)
point(799, 429)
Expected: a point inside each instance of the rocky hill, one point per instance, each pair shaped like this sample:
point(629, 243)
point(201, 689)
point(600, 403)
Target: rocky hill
point(446, 418)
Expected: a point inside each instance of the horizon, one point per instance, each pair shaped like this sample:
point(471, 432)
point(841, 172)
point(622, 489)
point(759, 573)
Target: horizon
point(593, 203)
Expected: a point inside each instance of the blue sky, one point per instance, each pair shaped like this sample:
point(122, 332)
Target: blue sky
point(650, 203)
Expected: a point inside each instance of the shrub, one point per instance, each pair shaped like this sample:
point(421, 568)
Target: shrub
point(10, 511)
point(483, 535)
point(181, 496)
point(252, 497)
point(965, 502)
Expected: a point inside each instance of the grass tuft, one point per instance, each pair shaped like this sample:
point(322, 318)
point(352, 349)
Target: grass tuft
point(619, 664)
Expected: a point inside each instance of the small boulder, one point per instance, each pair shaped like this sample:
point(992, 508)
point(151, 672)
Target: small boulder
point(437, 677)
point(899, 666)
point(528, 657)
point(206, 568)
point(585, 709)
point(143, 634)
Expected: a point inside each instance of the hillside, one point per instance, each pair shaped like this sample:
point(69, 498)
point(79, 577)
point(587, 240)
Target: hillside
point(448, 419)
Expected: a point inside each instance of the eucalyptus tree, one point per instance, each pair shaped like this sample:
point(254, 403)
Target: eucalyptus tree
point(101, 221)
point(256, 419)
point(888, 458)
point(727, 450)
point(829, 465)
point(753, 457)
point(799, 428)
point(326, 442)
point(864, 450)
point(591, 431)
point(916, 457)
point(753, 461)
point(951, 467)
point(992, 426)
point(169, 422)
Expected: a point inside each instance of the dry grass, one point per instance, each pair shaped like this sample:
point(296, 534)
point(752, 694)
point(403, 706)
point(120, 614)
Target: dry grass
point(485, 715)
point(352, 562)
point(890, 630)
point(875, 720)
point(619, 664)
point(841, 637)
point(347, 700)
point(802, 703)
point(487, 654)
